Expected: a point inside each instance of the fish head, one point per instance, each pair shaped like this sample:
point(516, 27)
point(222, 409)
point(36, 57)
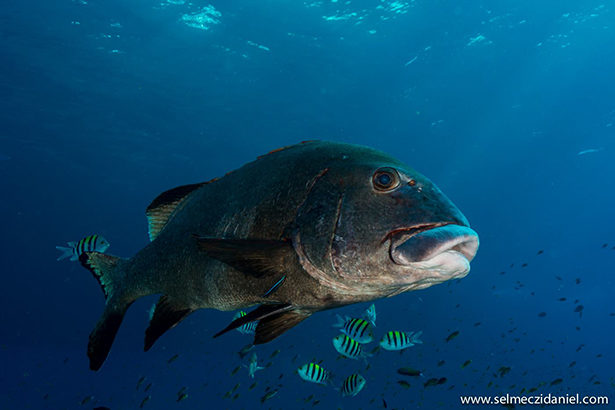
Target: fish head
point(102, 244)
point(373, 227)
point(338, 340)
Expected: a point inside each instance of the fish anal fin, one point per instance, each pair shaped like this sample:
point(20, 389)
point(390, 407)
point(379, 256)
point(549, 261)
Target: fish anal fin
point(103, 335)
point(260, 313)
point(160, 211)
point(167, 314)
point(273, 326)
point(107, 269)
point(256, 257)
point(109, 272)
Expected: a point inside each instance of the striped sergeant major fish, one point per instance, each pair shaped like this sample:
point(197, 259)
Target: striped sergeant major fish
point(91, 243)
point(370, 314)
point(348, 347)
point(395, 340)
point(248, 328)
point(353, 384)
point(311, 372)
point(357, 329)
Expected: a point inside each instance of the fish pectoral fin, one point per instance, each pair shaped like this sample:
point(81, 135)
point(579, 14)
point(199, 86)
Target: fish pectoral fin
point(256, 257)
point(260, 313)
point(273, 326)
point(167, 314)
point(160, 211)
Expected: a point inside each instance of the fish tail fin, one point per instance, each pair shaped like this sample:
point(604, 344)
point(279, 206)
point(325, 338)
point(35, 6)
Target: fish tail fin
point(109, 271)
point(340, 321)
point(415, 338)
point(66, 252)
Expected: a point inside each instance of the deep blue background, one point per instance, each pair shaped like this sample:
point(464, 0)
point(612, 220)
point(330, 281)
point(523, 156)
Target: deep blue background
point(91, 135)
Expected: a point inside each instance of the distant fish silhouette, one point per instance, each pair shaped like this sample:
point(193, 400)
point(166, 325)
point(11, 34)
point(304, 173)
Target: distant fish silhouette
point(4, 157)
point(590, 151)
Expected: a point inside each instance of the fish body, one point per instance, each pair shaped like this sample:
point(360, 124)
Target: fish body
point(396, 340)
point(370, 314)
point(253, 366)
point(403, 384)
point(452, 335)
point(313, 373)
point(357, 329)
point(408, 371)
point(91, 243)
point(352, 385)
point(348, 347)
point(270, 394)
point(300, 213)
point(244, 350)
point(434, 381)
point(248, 328)
point(589, 151)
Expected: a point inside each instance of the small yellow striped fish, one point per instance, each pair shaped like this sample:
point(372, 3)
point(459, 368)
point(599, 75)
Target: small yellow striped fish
point(88, 244)
point(395, 340)
point(357, 329)
point(248, 328)
point(312, 372)
point(348, 347)
point(353, 385)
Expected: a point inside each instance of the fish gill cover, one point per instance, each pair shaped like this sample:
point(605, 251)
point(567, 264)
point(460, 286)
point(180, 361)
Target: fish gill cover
point(508, 108)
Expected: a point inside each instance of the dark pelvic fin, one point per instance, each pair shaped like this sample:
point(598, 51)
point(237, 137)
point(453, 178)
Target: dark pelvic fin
point(108, 271)
point(273, 326)
point(251, 256)
point(167, 314)
point(260, 313)
point(160, 211)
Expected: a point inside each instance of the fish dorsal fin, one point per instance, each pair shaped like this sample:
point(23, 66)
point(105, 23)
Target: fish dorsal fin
point(260, 313)
point(254, 257)
point(167, 314)
point(160, 211)
point(274, 325)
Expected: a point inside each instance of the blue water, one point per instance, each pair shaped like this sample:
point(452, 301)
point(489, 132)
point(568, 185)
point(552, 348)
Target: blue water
point(508, 106)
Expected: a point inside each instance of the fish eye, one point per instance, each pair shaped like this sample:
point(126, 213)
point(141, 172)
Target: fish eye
point(385, 179)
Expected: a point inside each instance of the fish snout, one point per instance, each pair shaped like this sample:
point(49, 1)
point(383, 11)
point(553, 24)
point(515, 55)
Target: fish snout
point(435, 246)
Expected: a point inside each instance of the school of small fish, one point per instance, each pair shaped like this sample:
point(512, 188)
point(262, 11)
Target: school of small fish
point(350, 343)
point(355, 334)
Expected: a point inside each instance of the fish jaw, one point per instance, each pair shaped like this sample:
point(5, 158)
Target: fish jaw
point(434, 253)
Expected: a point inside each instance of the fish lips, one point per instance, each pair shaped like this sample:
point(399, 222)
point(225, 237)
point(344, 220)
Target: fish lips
point(447, 248)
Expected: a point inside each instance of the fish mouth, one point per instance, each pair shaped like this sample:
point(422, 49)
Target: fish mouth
point(444, 247)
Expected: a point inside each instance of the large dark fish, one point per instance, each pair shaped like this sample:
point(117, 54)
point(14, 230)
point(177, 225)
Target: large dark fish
point(310, 227)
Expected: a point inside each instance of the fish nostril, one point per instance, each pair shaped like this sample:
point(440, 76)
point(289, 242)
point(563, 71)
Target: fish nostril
point(412, 182)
